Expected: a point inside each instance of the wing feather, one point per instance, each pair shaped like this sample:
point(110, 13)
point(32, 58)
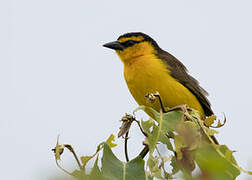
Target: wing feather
point(180, 73)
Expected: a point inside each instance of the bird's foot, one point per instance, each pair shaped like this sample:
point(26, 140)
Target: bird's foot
point(183, 107)
point(152, 98)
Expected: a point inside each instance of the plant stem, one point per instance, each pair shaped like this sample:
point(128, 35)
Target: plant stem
point(144, 152)
point(126, 146)
point(69, 147)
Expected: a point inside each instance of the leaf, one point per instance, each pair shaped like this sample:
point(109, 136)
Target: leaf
point(187, 160)
point(221, 124)
point(187, 140)
point(210, 132)
point(205, 131)
point(191, 135)
point(85, 160)
point(153, 164)
point(114, 169)
point(210, 120)
point(110, 141)
point(146, 125)
point(166, 159)
point(149, 177)
point(179, 144)
point(166, 140)
point(58, 150)
point(95, 172)
point(174, 165)
point(214, 162)
point(227, 153)
point(142, 107)
point(79, 175)
point(167, 123)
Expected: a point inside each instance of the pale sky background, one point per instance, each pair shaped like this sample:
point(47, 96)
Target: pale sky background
point(56, 78)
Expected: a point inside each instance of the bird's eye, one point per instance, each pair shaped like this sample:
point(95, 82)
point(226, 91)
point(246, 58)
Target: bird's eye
point(129, 43)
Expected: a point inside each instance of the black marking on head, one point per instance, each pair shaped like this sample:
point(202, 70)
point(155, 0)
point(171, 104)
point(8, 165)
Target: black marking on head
point(131, 42)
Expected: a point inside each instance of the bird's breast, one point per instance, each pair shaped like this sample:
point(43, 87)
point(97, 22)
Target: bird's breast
point(148, 74)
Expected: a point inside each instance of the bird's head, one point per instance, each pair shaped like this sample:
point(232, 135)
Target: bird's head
point(133, 45)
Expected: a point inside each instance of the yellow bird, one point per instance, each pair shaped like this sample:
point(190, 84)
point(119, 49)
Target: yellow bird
point(150, 69)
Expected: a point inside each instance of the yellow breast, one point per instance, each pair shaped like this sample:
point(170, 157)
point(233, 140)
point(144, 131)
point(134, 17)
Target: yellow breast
point(148, 74)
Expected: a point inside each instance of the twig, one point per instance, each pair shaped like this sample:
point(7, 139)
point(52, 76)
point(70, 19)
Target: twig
point(69, 147)
point(161, 158)
point(57, 163)
point(138, 123)
point(144, 152)
point(126, 146)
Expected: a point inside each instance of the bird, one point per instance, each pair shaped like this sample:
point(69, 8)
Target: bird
point(148, 69)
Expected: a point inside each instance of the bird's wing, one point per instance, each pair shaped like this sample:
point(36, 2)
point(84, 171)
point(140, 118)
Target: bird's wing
point(179, 72)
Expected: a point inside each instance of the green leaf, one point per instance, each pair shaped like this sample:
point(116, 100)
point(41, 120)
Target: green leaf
point(57, 151)
point(95, 172)
point(153, 164)
point(174, 165)
point(191, 134)
point(171, 120)
point(146, 125)
point(165, 140)
point(114, 169)
point(228, 154)
point(215, 162)
point(110, 141)
point(206, 131)
point(167, 123)
point(85, 160)
point(179, 144)
point(79, 175)
point(149, 178)
point(210, 120)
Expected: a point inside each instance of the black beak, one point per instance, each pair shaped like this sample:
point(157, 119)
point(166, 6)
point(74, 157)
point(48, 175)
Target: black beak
point(114, 45)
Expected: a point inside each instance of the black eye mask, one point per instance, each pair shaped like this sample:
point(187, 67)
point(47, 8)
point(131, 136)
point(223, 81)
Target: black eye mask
point(129, 43)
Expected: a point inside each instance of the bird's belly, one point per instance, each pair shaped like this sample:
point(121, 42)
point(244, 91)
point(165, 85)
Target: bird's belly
point(144, 77)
